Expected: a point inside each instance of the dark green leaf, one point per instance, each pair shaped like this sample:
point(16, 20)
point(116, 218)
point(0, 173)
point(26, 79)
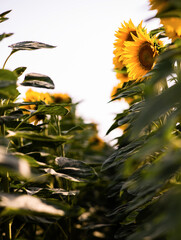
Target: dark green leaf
point(38, 80)
point(54, 109)
point(19, 71)
point(156, 106)
point(5, 35)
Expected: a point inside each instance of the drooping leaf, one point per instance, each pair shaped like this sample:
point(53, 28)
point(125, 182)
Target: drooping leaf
point(38, 80)
point(13, 164)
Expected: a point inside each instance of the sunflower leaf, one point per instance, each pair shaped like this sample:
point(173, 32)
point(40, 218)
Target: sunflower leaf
point(38, 80)
point(29, 45)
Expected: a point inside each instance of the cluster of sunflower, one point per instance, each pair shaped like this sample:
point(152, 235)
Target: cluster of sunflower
point(136, 50)
point(134, 54)
point(47, 98)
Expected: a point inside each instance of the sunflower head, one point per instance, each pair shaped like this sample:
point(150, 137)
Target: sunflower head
point(159, 5)
point(61, 98)
point(96, 143)
point(125, 33)
point(172, 27)
point(33, 96)
point(139, 55)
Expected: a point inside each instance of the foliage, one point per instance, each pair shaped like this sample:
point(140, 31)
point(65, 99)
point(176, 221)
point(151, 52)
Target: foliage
point(147, 160)
point(51, 186)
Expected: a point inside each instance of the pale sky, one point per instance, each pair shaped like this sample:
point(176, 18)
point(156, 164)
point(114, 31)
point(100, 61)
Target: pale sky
point(81, 64)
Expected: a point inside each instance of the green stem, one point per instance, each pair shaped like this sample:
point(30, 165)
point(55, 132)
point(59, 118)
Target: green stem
point(9, 222)
point(7, 59)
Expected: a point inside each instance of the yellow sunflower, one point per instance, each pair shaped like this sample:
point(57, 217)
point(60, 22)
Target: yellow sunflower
point(33, 96)
point(125, 33)
point(159, 5)
point(61, 98)
point(139, 55)
point(172, 27)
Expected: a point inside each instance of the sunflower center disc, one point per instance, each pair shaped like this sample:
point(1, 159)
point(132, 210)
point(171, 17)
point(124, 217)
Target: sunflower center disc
point(146, 56)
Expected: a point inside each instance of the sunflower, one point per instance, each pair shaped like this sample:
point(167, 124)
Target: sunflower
point(61, 98)
point(125, 33)
point(172, 27)
point(139, 55)
point(159, 5)
point(96, 143)
point(33, 96)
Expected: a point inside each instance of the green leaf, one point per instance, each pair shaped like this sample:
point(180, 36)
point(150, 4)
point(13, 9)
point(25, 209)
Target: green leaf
point(3, 16)
point(74, 167)
point(13, 164)
point(40, 138)
point(156, 106)
point(7, 75)
point(29, 45)
point(19, 71)
point(5, 35)
point(54, 109)
point(38, 80)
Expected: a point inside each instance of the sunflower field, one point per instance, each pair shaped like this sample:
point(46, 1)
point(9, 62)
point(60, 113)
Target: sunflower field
point(60, 180)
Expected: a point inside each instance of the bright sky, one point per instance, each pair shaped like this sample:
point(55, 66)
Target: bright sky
point(81, 64)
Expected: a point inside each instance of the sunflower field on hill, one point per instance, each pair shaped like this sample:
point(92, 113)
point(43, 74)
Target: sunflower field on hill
point(60, 180)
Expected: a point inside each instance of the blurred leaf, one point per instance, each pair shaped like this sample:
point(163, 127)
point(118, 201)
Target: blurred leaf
point(13, 164)
point(8, 84)
point(156, 106)
point(74, 167)
point(26, 204)
point(52, 172)
point(40, 138)
point(38, 80)
point(29, 45)
point(50, 191)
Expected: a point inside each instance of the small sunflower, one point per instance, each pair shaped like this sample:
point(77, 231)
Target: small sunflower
point(61, 98)
point(33, 96)
point(139, 55)
point(96, 143)
point(159, 5)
